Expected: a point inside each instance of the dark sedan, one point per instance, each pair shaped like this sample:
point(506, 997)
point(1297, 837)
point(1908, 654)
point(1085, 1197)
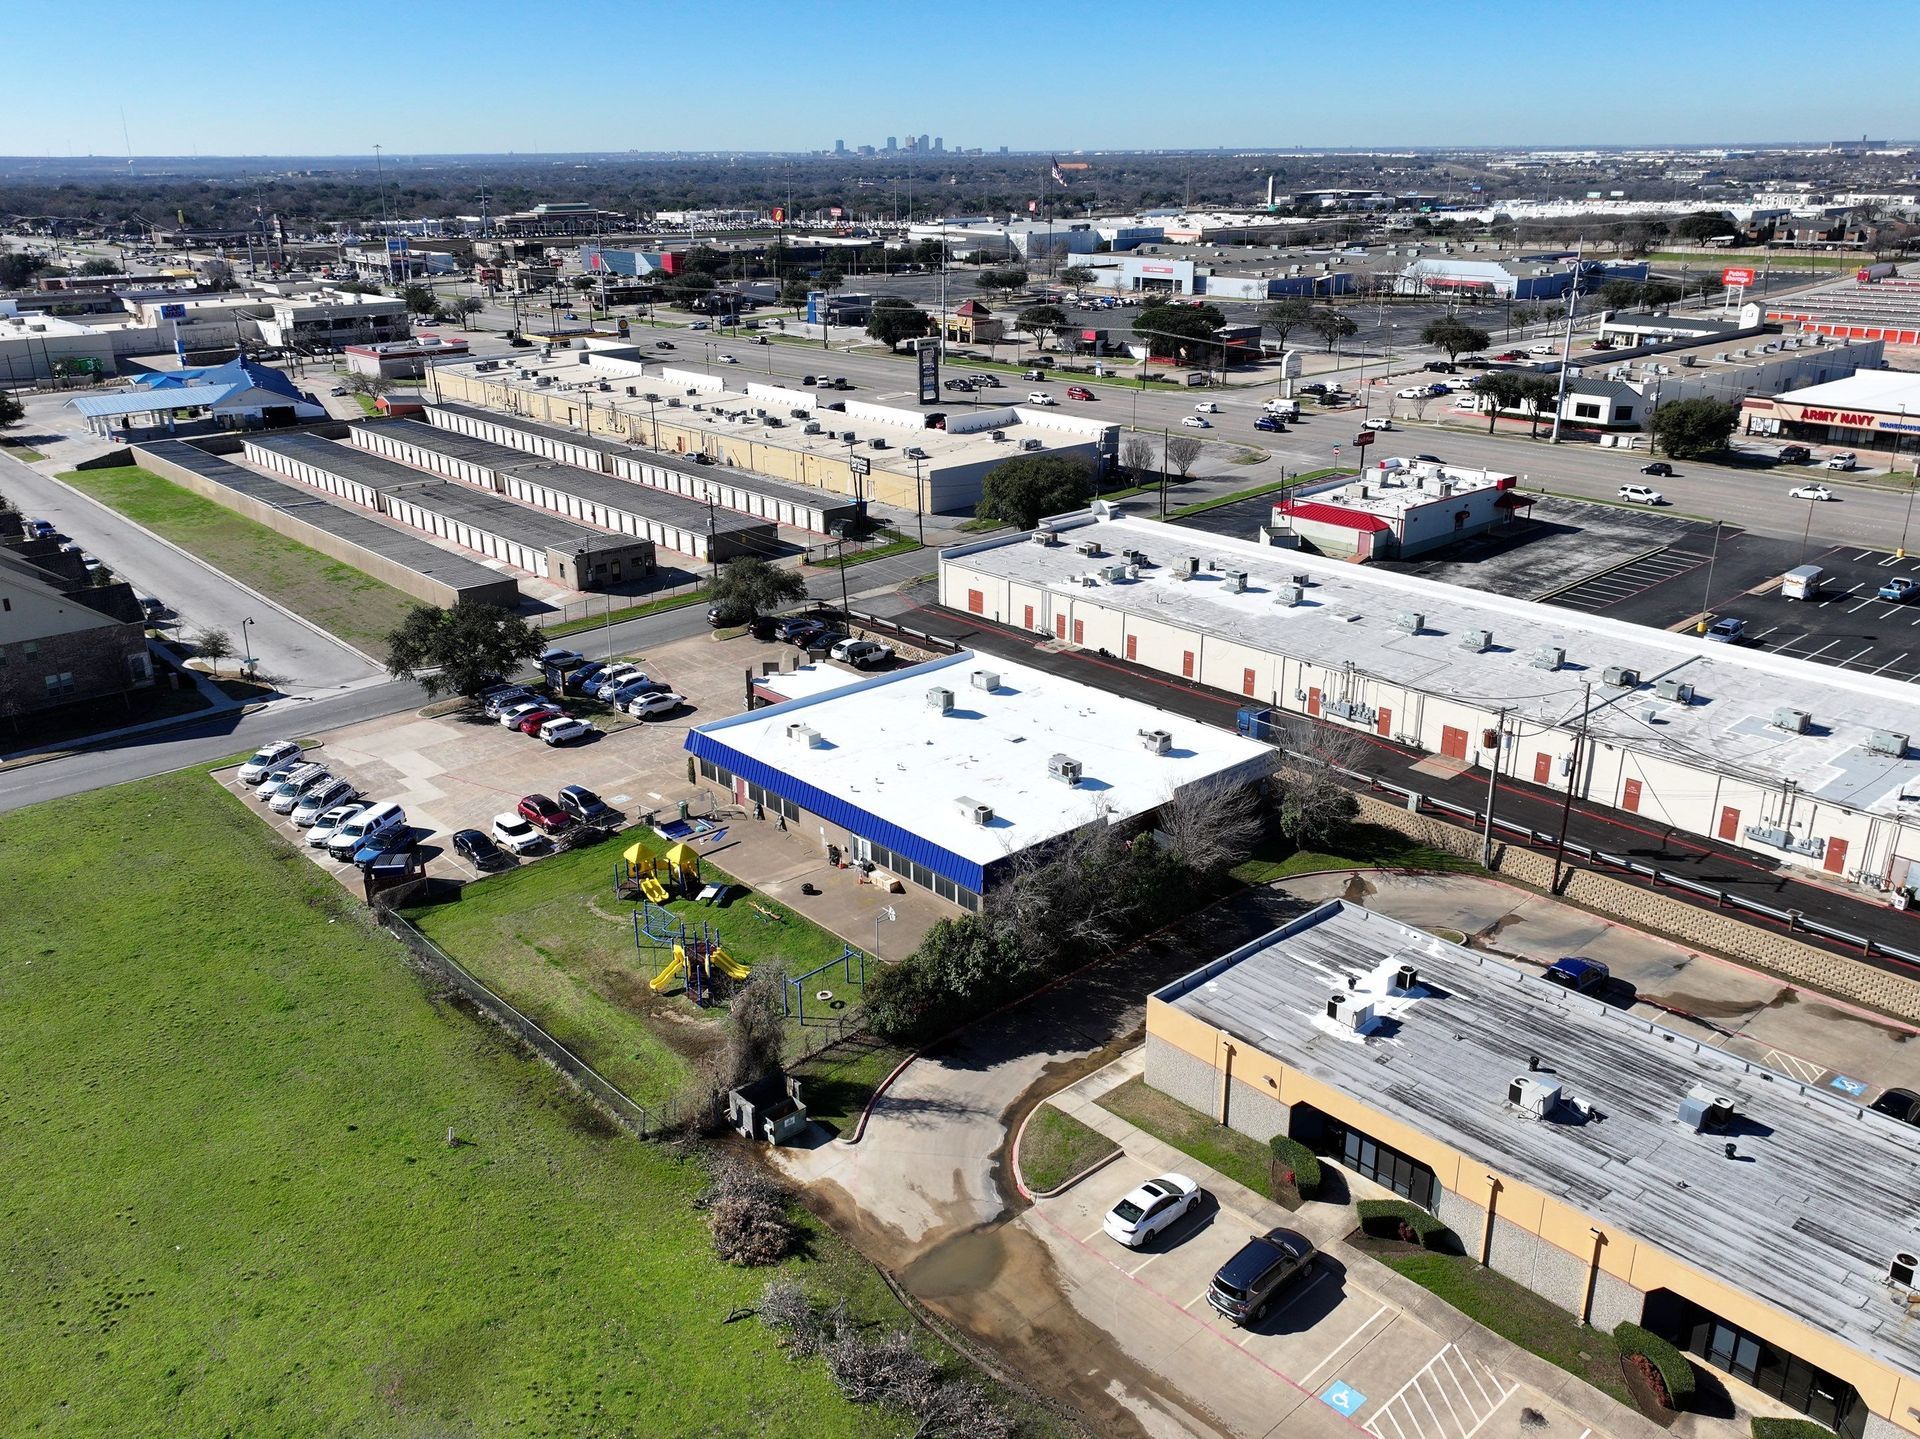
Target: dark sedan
point(479, 850)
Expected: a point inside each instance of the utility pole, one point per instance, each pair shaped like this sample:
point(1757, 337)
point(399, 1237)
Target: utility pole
point(1566, 344)
point(1166, 442)
point(1573, 780)
point(1493, 789)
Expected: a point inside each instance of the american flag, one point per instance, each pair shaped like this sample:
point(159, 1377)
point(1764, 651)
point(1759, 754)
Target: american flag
point(1059, 175)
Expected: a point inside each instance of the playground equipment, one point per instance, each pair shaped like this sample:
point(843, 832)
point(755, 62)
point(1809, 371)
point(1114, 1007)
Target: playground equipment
point(699, 961)
point(793, 999)
point(656, 877)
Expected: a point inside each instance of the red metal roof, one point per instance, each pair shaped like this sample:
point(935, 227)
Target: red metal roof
point(1512, 501)
point(1314, 512)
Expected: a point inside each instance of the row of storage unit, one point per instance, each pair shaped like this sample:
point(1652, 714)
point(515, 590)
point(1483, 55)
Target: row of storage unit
point(793, 505)
point(668, 521)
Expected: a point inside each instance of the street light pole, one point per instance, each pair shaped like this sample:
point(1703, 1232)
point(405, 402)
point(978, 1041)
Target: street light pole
point(1706, 598)
point(1493, 789)
point(246, 646)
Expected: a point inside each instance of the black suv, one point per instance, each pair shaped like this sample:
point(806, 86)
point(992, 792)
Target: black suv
point(1245, 1287)
point(584, 805)
point(1795, 455)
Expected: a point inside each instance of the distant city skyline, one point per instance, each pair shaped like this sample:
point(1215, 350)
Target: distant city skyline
point(1490, 72)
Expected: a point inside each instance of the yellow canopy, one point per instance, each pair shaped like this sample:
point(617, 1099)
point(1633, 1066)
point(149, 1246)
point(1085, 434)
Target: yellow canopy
point(637, 854)
point(683, 856)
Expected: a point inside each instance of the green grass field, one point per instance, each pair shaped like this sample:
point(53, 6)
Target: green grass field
point(335, 596)
point(230, 1207)
point(1357, 846)
point(1056, 1147)
point(1192, 1133)
point(552, 938)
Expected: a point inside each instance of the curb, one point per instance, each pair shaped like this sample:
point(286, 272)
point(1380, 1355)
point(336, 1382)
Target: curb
point(1020, 1179)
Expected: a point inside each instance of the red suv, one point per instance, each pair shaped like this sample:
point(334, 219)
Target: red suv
point(543, 814)
point(1079, 392)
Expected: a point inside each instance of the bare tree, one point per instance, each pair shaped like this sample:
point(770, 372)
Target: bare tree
point(888, 1370)
point(1211, 829)
point(1138, 457)
point(1183, 452)
point(1315, 801)
point(756, 1027)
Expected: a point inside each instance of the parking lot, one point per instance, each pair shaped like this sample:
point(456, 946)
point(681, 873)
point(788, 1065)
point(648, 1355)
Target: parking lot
point(1334, 1355)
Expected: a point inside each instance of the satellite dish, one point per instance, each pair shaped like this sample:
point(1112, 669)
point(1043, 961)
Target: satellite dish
point(1101, 509)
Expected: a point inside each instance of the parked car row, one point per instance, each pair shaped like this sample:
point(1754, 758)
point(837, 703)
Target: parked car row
point(327, 806)
point(624, 686)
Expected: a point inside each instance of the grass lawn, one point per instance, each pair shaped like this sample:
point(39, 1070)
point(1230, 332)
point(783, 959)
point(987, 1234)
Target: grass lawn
point(1519, 1315)
point(20, 450)
point(838, 1082)
point(1192, 1133)
point(552, 938)
point(230, 1206)
point(629, 612)
point(895, 544)
point(335, 596)
point(1055, 1147)
point(1306, 478)
point(1357, 846)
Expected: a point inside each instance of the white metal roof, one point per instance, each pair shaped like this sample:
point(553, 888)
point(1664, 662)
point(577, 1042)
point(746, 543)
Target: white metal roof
point(1886, 390)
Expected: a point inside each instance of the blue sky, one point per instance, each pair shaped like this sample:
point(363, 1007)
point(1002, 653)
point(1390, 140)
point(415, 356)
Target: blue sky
point(425, 76)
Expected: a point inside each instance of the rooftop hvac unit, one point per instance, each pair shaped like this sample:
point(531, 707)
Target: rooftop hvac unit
point(1886, 741)
point(847, 437)
point(1030, 445)
point(633, 391)
point(804, 735)
point(1412, 621)
point(1702, 1109)
point(1678, 691)
point(988, 680)
point(940, 699)
point(1188, 567)
point(1064, 768)
point(1793, 721)
point(1532, 1096)
point(606, 386)
point(1620, 677)
point(1236, 582)
point(1155, 741)
point(1302, 580)
point(1900, 1272)
point(974, 810)
point(1406, 979)
point(1549, 657)
point(811, 428)
point(774, 422)
point(1136, 557)
point(1288, 595)
point(999, 435)
point(1045, 537)
point(1349, 1012)
point(1479, 641)
point(876, 443)
point(1088, 547)
point(1115, 573)
point(544, 381)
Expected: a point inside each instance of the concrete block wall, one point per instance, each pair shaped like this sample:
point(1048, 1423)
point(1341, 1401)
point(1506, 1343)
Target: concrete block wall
point(1196, 1084)
point(1534, 1263)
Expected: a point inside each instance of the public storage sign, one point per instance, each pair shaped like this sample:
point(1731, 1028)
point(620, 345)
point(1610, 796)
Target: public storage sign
point(1739, 275)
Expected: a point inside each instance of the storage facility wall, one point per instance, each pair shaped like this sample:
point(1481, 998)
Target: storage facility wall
point(321, 479)
point(525, 557)
point(547, 446)
point(1666, 791)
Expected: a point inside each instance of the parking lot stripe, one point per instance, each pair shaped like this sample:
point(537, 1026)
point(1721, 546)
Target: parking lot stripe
point(1856, 655)
point(1871, 599)
point(1810, 654)
point(1307, 1378)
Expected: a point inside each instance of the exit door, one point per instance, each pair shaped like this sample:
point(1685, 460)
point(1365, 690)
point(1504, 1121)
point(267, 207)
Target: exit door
point(1453, 743)
point(1313, 702)
point(1836, 858)
point(1059, 627)
point(1246, 682)
point(1729, 822)
point(1630, 796)
point(1543, 768)
point(1383, 725)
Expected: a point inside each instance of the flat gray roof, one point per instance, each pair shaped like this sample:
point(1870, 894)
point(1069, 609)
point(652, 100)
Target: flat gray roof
point(589, 485)
point(373, 471)
point(1822, 1193)
point(401, 546)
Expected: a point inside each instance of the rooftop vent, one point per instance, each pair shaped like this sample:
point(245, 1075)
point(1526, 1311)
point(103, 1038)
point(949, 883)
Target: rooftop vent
point(975, 811)
point(941, 699)
point(1889, 742)
point(988, 680)
point(1045, 536)
point(1090, 548)
point(1534, 1097)
point(804, 735)
point(1479, 641)
point(1677, 690)
point(1549, 657)
point(1412, 621)
point(1702, 1109)
point(1620, 677)
point(1793, 721)
point(1406, 978)
point(1064, 768)
point(1236, 582)
point(1349, 1012)
point(1287, 594)
point(1155, 741)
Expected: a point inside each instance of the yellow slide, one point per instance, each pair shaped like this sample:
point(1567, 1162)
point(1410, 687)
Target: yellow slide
point(653, 890)
point(667, 976)
point(728, 965)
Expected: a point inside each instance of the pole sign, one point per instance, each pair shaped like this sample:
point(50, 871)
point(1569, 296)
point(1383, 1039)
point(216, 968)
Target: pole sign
point(1737, 277)
point(929, 370)
point(173, 312)
point(860, 464)
point(1363, 439)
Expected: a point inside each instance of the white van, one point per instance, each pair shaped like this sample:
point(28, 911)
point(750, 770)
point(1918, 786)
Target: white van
point(1802, 582)
point(372, 823)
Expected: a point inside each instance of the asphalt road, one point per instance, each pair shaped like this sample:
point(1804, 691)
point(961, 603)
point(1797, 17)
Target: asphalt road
point(308, 661)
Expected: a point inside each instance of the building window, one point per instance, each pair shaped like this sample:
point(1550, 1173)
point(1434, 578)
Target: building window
point(1359, 1151)
point(1622, 414)
point(1731, 1349)
point(60, 686)
point(1585, 410)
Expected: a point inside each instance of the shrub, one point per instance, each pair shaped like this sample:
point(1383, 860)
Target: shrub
point(1397, 1219)
point(804, 1328)
point(1295, 1164)
point(1675, 1373)
point(1790, 1429)
point(747, 1215)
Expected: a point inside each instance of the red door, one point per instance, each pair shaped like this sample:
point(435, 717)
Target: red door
point(1729, 822)
point(1630, 796)
point(1384, 724)
point(1060, 627)
point(1313, 702)
point(976, 602)
point(1246, 682)
point(1836, 860)
point(1186, 663)
point(1543, 769)
point(1453, 742)
point(1029, 619)
point(1079, 632)
point(1133, 645)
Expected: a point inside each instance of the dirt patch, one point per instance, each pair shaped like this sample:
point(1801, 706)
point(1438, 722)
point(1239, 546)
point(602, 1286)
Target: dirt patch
point(1644, 1399)
point(1703, 1008)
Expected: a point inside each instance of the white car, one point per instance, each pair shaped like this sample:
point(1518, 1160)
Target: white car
point(1642, 495)
point(265, 758)
point(1151, 1209)
point(659, 702)
point(1810, 492)
point(515, 835)
point(1412, 392)
point(513, 714)
point(318, 800)
point(1040, 397)
point(564, 730)
point(727, 360)
point(1206, 407)
point(1841, 462)
point(324, 826)
point(1376, 424)
point(290, 791)
point(1539, 349)
point(861, 654)
point(1197, 422)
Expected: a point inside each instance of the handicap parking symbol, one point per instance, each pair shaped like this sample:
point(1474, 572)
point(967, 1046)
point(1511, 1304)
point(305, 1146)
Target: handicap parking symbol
point(1344, 1397)
point(1854, 1087)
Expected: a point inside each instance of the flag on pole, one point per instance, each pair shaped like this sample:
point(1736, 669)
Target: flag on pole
point(1059, 175)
